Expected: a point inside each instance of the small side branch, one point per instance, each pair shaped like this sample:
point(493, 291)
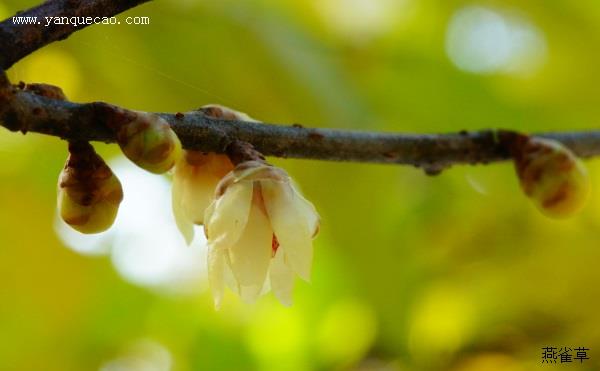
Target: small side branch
point(20, 40)
point(23, 109)
point(4, 83)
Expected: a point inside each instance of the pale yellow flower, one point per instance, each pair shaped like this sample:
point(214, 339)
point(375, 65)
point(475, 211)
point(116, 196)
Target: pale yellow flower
point(196, 176)
point(259, 226)
point(194, 181)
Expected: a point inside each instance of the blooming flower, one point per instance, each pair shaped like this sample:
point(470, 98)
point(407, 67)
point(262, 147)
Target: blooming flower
point(259, 225)
point(197, 175)
point(194, 181)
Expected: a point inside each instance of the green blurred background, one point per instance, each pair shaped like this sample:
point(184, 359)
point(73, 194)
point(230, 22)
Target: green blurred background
point(455, 272)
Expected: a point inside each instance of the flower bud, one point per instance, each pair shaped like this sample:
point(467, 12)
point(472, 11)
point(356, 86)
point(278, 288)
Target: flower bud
point(149, 142)
point(89, 193)
point(225, 113)
point(552, 176)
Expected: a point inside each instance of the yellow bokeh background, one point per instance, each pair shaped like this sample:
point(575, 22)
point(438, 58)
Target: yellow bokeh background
point(454, 272)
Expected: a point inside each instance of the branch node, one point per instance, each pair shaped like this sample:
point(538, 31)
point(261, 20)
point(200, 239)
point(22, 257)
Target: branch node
point(433, 169)
point(510, 140)
point(45, 90)
point(239, 151)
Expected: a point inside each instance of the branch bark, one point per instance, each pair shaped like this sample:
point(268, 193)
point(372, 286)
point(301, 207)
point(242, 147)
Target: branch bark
point(41, 109)
point(25, 110)
point(20, 40)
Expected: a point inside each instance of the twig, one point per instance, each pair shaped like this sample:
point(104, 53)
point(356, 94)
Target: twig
point(20, 40)
point(4, 83)
point(34, 109)
point(23, 110)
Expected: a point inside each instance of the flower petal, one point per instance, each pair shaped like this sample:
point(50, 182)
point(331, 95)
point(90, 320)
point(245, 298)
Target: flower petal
point(291, 221)
point(197, 191)
point(251, 254)
point(312, 216)
point(227, 216)
point(282, 278)
point(247, 293)
point(200, 173)
point(250, 293)
point(216, 267)
point(184, 224)
point(230, 279)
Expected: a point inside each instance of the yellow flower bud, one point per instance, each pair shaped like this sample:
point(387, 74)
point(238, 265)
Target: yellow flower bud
point(89, 193)
point(552, 176)
point(225, 113)
point(149, 142)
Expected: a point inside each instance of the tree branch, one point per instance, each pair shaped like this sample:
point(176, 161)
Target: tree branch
point(4, 83)
point(23, 109)
point(42, 109)
point(20, 40)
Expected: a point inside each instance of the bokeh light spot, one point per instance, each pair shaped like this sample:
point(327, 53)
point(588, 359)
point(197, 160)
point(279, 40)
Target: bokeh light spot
point(361, 19)
point(143, 355)
point(482, 40)
point(441, 322)
point(352, 321)
point(277, 336)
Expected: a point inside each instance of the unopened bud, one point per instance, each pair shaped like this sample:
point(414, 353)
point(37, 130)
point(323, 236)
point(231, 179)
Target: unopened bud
point(551, 175)
point(149, 142)
point(225, 113)
point(89, 193)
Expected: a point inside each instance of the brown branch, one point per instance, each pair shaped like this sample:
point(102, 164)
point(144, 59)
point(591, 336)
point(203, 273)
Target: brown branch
point(22, 109)
point(20, 40)
point(4, 83)
point(36, 108)
point(239, 152)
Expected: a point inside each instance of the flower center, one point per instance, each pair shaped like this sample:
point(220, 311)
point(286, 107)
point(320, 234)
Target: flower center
point(274, 245)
